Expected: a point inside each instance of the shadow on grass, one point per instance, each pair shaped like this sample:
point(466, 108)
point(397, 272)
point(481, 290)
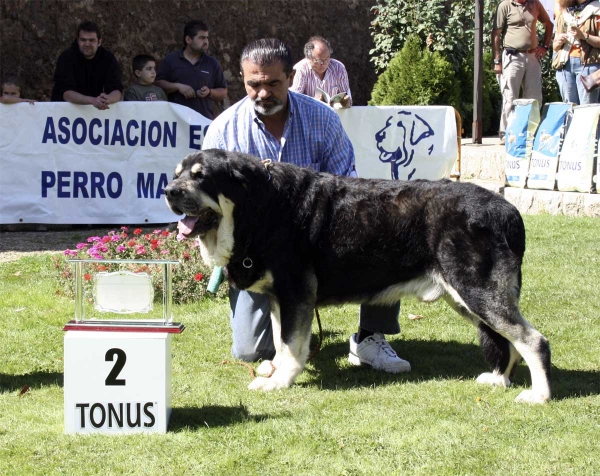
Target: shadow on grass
point(192, 418)
point(34, 380)
point(432, 360)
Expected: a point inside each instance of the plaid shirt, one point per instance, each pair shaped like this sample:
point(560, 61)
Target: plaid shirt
point(335, 81)
point(313, 136)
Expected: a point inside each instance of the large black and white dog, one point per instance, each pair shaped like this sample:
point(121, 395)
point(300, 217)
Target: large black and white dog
point(310, 239)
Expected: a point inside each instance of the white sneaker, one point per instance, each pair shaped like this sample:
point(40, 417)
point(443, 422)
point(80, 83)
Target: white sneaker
point(376, 352)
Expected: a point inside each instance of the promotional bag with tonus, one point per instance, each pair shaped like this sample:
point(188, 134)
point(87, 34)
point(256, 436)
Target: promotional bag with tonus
point(520, 132)
point(546, 145)
point(578, 153)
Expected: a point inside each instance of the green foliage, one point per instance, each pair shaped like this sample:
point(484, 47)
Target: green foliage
point(451, 27)
point(491, 96)
point(416, 77)
point(189, 278)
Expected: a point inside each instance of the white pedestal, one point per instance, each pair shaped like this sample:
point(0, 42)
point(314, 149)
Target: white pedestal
point(117, 382)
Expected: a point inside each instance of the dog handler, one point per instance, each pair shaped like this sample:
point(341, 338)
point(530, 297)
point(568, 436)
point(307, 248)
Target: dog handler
point(275, 123)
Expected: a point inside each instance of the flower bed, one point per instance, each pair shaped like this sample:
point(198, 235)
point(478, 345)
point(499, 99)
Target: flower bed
point(189, 278)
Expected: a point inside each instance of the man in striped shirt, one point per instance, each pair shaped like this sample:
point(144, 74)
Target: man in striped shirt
point(319, 70)
point(275, 123)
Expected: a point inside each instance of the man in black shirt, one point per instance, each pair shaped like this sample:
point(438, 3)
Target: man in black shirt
point(190, 76)
point(86, 73)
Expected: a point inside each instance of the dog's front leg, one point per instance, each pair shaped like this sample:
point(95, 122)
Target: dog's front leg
point(291, 335)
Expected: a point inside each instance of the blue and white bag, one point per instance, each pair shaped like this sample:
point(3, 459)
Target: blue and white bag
point(520, 131)
point(546, 145)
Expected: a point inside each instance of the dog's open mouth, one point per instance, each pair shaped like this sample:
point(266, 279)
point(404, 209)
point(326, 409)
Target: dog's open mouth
point(198, 225)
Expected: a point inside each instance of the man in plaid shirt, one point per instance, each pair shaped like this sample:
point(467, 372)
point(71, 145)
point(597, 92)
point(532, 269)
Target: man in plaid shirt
point(319, 70)
point(275, 123)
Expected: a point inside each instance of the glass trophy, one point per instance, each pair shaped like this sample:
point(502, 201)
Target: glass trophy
point(121, 299)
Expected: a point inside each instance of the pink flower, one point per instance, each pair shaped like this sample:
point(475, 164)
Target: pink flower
point(92, 239)
point(115, 238)
point(140, 250)
point(125, 228)
point(70, 253)
point(164, 252)
point(121, 248)
point(80, 246)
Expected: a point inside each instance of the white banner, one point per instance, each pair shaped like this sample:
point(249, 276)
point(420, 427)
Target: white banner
point(63, 163)
point(67, 164)
point(402, 142)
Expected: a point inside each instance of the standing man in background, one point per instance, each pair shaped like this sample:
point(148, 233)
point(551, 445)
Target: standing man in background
point(190, 76)
point(517, 55)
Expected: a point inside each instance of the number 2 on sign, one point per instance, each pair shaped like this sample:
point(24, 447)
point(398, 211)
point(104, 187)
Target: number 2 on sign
point(119, 364)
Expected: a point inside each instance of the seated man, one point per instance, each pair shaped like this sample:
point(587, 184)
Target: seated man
point(277, 124)
point(319, 70)
point(86, 73)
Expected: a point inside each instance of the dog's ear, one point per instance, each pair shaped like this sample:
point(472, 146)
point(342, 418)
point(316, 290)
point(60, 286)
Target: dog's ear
point(253, 177)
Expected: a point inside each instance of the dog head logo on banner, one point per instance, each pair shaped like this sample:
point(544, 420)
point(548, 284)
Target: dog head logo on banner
point(398, 147)
point(402, 142)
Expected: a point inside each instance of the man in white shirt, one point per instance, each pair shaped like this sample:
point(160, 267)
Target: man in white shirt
point(319, 70)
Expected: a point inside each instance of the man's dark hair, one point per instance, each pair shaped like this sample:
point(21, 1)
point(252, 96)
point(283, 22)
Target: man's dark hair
point(267, 51)
point(192, 28)
point(90, 27)
point(140, 61)
point(310, 46)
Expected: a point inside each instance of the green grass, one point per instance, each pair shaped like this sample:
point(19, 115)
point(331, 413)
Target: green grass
point(337, 419)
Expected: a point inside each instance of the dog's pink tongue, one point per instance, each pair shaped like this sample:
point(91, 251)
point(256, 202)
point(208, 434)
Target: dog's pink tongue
point(186, 225)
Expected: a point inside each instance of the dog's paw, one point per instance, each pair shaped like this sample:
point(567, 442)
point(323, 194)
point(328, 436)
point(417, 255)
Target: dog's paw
point(494, 379)
point(266, 368)
point(265, 384)
point(529, 396)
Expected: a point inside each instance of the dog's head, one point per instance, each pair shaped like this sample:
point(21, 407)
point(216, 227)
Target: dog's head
point(202, 180)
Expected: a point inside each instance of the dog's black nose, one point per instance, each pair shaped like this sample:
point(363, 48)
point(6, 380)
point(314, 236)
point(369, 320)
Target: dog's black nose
point(171, 191)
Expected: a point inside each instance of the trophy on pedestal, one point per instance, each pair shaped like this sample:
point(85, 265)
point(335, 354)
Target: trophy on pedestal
point(117, 371)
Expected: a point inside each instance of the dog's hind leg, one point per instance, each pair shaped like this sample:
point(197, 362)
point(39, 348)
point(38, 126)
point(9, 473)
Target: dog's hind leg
point(506, 336)
point(500, 354)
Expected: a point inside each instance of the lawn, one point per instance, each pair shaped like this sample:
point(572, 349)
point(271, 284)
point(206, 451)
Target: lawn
point(336, 419)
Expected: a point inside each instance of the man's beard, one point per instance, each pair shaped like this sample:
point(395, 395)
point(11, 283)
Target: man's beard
point(272, 106)
point(199, 51)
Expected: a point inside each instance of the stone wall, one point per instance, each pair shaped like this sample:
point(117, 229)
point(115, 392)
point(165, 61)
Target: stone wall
point(34, 32)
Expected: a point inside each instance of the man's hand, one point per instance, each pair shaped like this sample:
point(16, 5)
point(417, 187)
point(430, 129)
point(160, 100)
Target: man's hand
point(185, 90)
point(100, 102)
point(540, 51)
point(203, 92)
point(319, 97)
point(498, 68)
